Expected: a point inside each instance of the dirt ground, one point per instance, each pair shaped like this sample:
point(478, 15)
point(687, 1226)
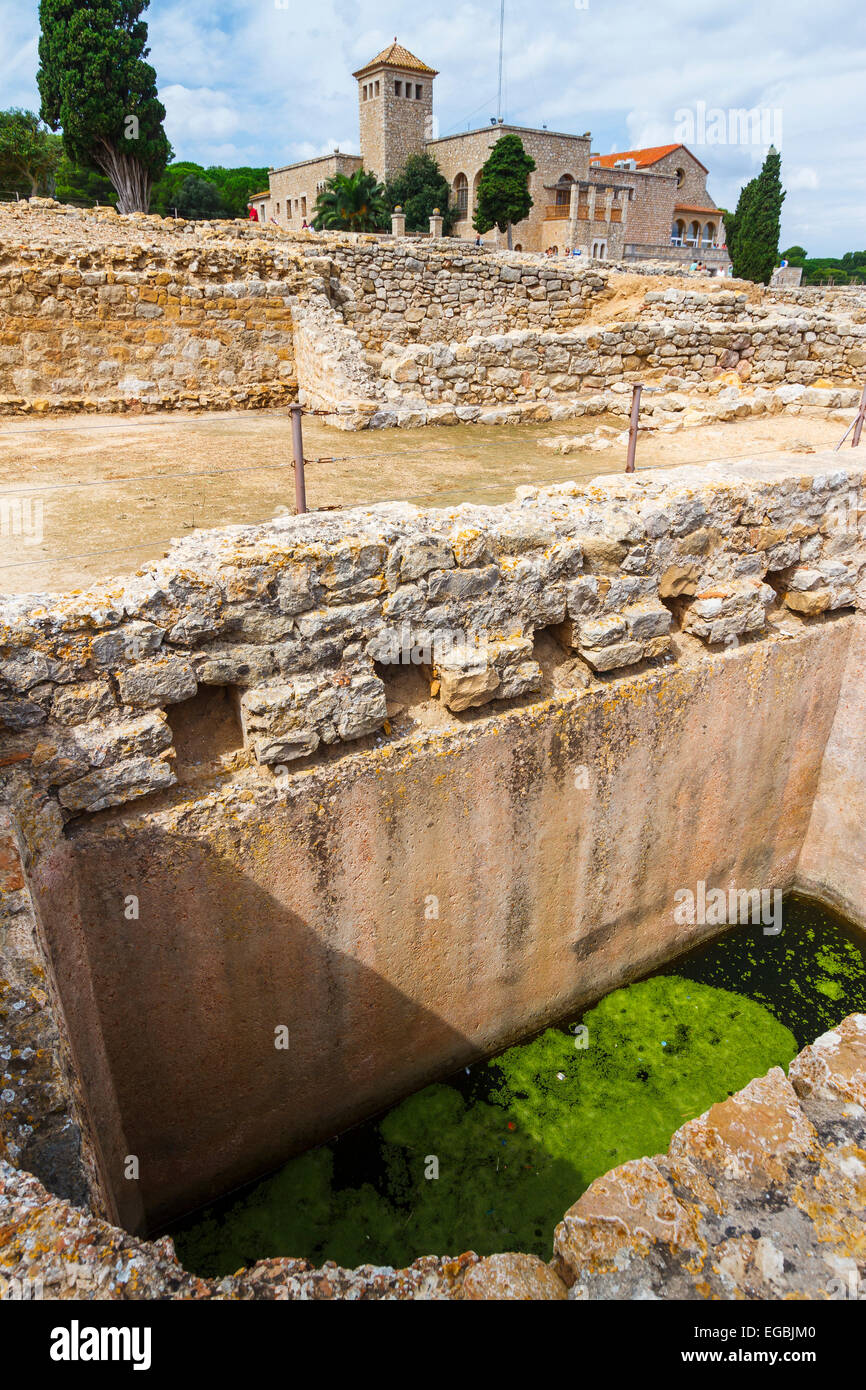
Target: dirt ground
point(88, 498)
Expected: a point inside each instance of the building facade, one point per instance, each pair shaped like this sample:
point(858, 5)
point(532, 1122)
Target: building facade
point(648, 204)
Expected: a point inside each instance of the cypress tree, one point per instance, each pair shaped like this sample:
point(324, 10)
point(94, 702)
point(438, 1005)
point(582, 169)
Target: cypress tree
point(503, 191)
point(95, 84)
point(754, 246)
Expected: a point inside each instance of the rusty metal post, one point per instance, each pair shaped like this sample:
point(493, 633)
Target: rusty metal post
point(298, 459)
point(633, 427)
point(861, 416)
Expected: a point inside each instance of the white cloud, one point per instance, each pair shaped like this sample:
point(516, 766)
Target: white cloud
point(197, 114)
point(801, 178)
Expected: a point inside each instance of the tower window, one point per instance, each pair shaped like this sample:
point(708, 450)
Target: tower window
point(376, 89)
point(398, 89)
point(419, 92)
point(364, 92)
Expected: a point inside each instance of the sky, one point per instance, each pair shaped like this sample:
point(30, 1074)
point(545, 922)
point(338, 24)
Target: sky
point(267, 82)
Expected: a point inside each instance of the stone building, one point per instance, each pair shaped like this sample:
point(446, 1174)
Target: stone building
point(649, 204)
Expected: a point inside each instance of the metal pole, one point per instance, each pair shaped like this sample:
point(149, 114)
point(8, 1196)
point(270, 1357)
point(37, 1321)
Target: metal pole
point(298, 459)
point(861, 416)
point(633, 427)
point(501, 43)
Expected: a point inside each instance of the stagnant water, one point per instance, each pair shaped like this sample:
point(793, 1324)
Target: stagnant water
point(490, 1159)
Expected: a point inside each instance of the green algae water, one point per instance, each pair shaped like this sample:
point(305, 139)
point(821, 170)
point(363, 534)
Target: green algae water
point(492, 1158)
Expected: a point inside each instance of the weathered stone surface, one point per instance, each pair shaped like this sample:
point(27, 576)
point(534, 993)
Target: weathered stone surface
point(764, 1196)
point(833, 1067)
point(162, 681)
point(518, 1277)
point(465, 682)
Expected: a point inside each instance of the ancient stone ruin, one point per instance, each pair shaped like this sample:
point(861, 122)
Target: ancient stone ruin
point(409, 784)
point(250, 763)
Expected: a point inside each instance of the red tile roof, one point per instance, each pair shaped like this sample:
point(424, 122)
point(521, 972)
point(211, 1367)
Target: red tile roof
point(395, 56)
point(642, 158)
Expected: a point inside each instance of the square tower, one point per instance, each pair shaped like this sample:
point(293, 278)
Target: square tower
point(395, 104)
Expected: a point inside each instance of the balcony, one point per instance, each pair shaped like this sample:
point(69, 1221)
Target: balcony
point(557, 212)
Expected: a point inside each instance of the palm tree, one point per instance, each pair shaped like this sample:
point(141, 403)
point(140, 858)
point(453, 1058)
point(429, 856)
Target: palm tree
point(353, 203)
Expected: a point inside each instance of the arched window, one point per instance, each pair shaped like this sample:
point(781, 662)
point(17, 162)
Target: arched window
point(563, 191)
point(694, 237)
point(709, 234)
point(678, 232)
point(681, 177)
point(461, 196)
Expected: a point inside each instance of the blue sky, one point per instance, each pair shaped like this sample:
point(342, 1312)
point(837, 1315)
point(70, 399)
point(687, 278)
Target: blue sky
point(268, 81)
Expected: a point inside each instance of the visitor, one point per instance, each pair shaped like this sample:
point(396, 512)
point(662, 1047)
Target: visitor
point(305, 226)
point(478, 240)
point(254, 216)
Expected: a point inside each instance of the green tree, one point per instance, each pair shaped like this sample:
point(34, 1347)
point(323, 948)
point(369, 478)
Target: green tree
point(95, 84)
point(199, 199)
point(795, 255)
point(503, 189)
point(418, 189)
point(237, 185)
point(352, 203)
point(755, 252)
point(77, 185)
point(29, 153)
point(166, 190)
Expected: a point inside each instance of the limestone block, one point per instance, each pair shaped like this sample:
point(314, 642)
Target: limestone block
point(513, 1277)
point(97, 765)
point(466, 678)
point(78, 703)
point(518, 671)
point(160, 681)
point(609, 658)
point(602, 631)
point(646, 620)
point(809, 602)
point(678, 580)
point(729, 610)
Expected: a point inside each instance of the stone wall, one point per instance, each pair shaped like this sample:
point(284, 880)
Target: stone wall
point(409, 291)
point(527, 364)
point(109, 313)
point(180, 320)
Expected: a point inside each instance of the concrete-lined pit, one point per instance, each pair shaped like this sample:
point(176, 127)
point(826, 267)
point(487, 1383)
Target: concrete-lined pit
point(306, 906)
point(397, 892)
point(489, 1160)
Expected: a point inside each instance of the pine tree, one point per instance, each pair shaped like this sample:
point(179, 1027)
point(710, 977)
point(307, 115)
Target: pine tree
point(95, 84)
point(754, 246)
point(503, 189)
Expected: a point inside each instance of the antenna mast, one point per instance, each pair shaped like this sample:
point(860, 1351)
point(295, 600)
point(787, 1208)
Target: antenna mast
point(501, 41)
